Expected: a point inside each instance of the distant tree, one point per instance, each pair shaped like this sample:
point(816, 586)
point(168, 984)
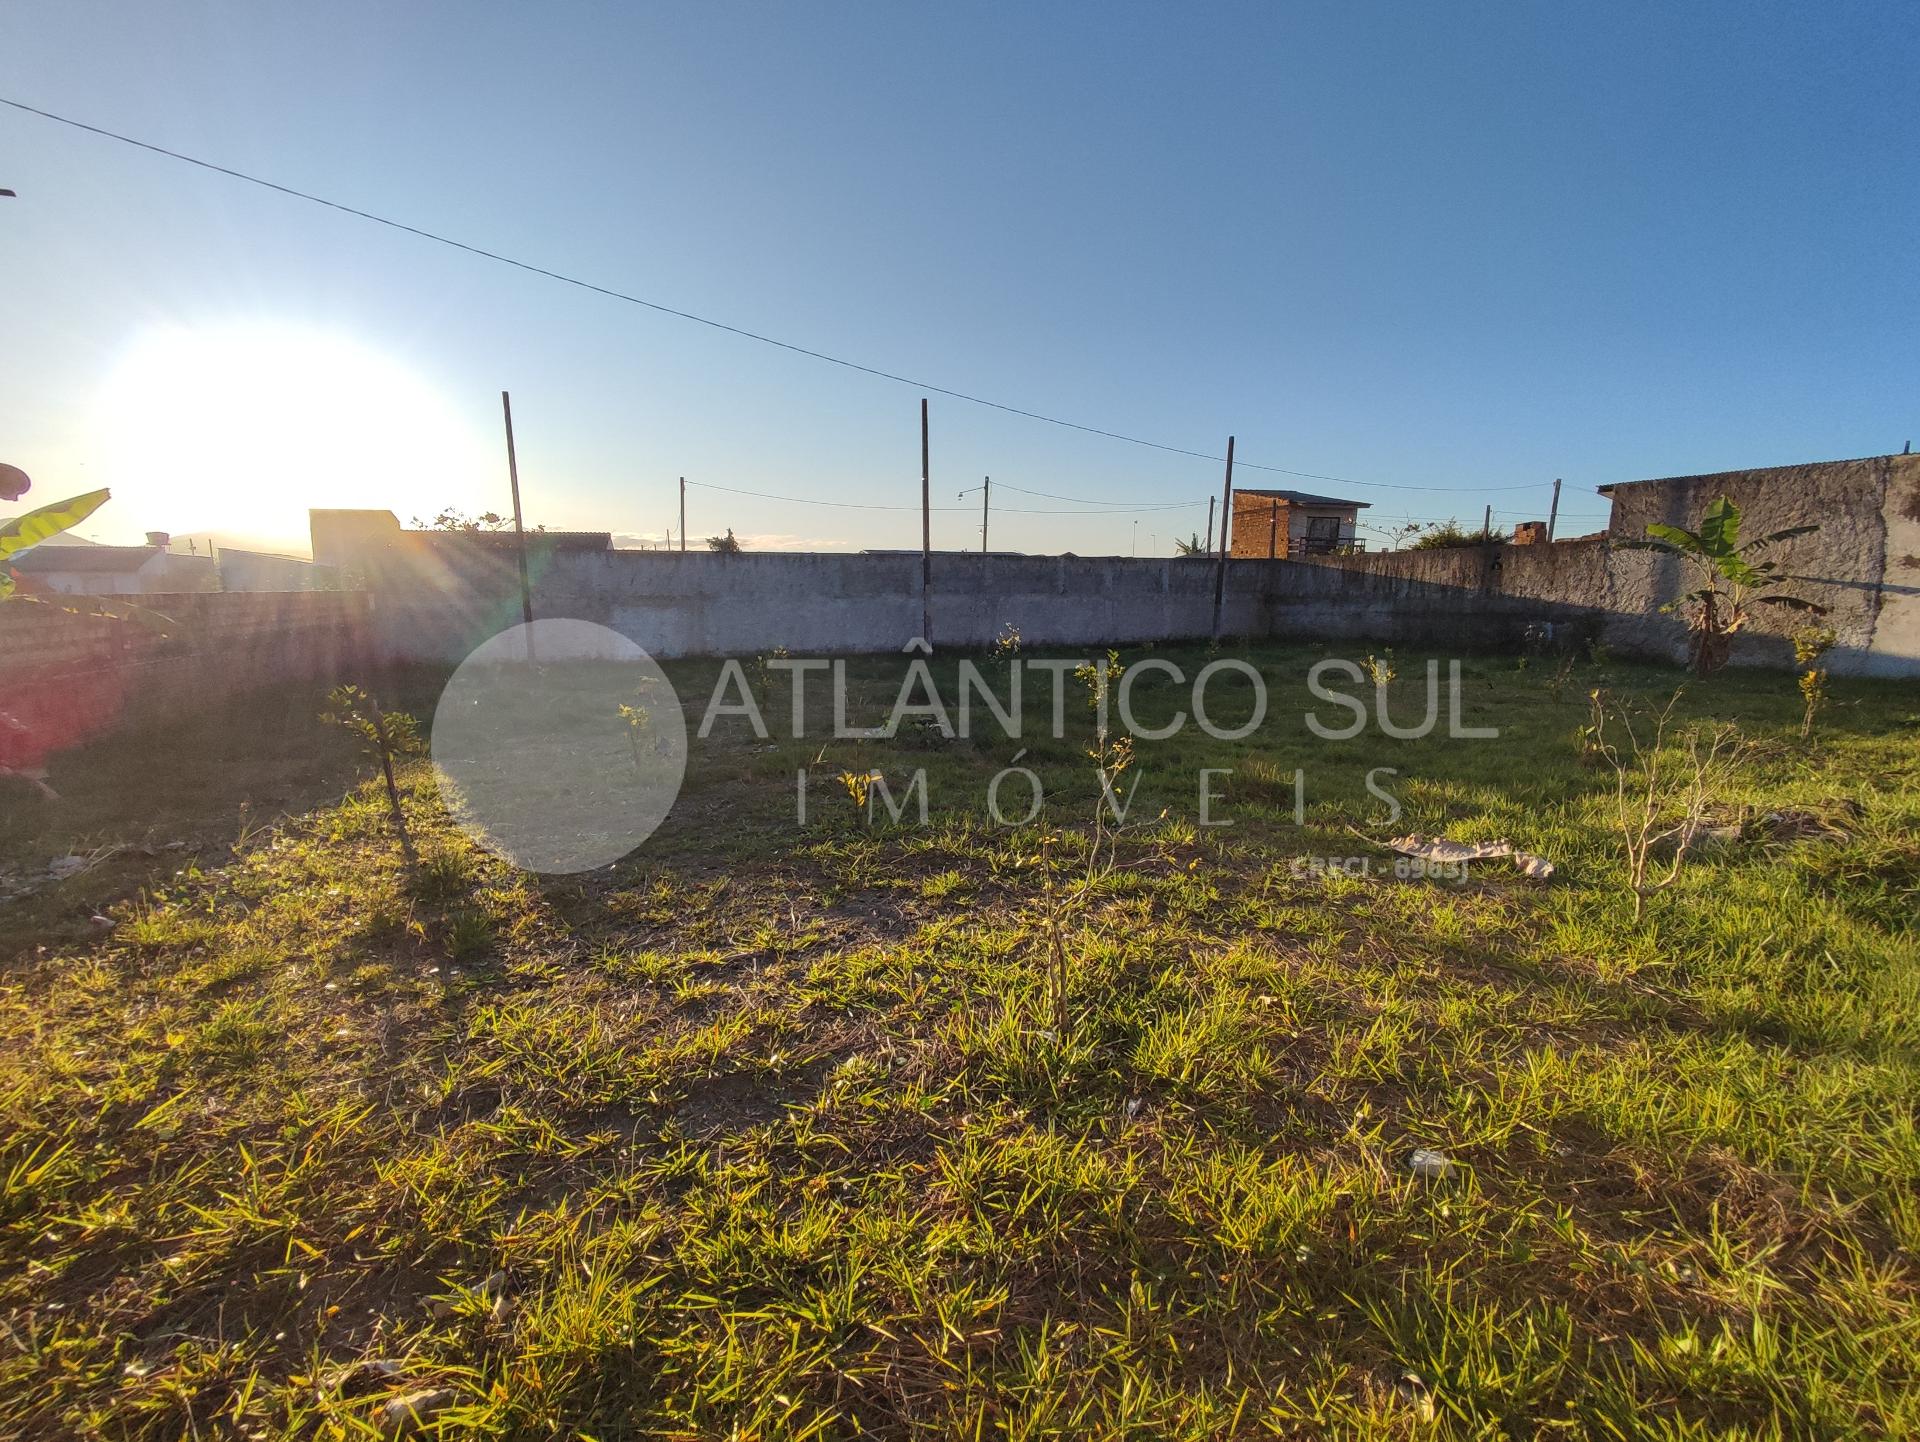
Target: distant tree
point(1191, 547)
point(454, 519)
point(1400, 535)
point(726, 545)
point(1445, 535)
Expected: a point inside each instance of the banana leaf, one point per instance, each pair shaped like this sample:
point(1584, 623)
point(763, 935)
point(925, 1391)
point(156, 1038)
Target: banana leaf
point(23, 533)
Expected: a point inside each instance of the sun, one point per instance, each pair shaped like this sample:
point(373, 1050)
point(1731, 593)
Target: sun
point(239, 428)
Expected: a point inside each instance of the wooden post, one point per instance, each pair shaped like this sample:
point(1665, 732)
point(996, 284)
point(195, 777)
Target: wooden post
point(926, 532)
point(683, 515)
point(1208, 545)
point(986, 495)
point(1220, 565)
point(1553, 511)
point(519, 530)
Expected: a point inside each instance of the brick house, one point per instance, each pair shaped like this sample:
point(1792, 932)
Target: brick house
point(1269, 524)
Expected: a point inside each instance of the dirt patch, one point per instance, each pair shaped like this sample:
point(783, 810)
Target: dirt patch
point(732, 1103)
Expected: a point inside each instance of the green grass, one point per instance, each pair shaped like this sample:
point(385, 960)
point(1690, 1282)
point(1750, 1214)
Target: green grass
point(768, 1132)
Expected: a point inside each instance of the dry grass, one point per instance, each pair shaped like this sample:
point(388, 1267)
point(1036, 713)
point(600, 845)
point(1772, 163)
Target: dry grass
point(769, 1135)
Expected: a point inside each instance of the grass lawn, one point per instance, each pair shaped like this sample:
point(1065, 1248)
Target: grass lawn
point(771, 1131)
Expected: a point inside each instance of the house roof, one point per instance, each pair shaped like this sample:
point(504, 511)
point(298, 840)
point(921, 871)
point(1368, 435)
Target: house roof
point(1299, 498)
point(112, 560)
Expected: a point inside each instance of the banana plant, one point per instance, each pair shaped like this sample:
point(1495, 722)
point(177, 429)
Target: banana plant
point(1732, 578)
point(23, 533)
point(17, 536)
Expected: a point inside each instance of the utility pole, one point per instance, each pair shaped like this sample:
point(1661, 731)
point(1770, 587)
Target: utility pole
point(1273, 528)
point(683, 515)
point(1486, 526)
point(986, 495)
point(519, 530)
point(1553, 511)
point(1209, 542)
point(1220, 565)
point(926, 533)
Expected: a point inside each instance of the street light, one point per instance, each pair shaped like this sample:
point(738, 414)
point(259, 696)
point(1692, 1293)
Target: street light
point(986, 500)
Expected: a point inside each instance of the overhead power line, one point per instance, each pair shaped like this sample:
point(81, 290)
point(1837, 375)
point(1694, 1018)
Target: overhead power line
point(1084, 501)
point(740, 331)
point(1108, 511)
point(810, 501)
point(948, 510)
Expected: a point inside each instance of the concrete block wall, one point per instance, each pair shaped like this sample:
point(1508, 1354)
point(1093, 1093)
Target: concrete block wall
point(435, 599)
point(1847, 565)
point(66, 675)
point(1895, 647)
point(439, 596)
point(1442, 598)
point(438, 601)
point(1092, 600)
point(1863, 564)
point(260, 571)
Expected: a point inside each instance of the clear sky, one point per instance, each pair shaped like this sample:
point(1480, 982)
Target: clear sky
point(1447, 246)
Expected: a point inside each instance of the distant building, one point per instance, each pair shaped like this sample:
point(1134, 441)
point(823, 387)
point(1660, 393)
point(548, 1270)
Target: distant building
point(87, 570)
point(359, 542)
point(348, 538)
point(1275, 524)
point(262, 571)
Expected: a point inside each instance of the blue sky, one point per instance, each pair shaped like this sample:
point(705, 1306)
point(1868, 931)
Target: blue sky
point(1453, 247)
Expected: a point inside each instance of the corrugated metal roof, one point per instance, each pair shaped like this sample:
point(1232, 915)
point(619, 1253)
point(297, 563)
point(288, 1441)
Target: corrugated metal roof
point(116, 560)
point(1298, 498)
